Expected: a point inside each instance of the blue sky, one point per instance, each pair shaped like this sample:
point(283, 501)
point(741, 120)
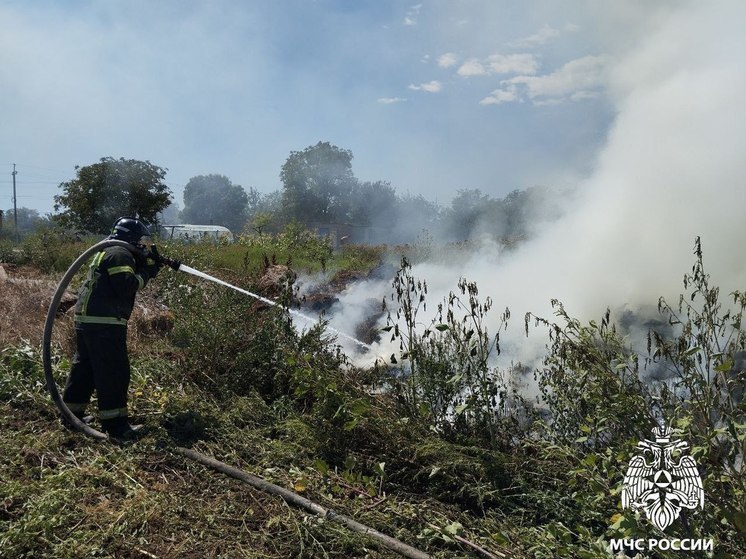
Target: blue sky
point(640, 103)
point(432, 96)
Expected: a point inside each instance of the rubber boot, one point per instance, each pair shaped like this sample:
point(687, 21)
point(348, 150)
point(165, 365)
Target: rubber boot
point(121, 431)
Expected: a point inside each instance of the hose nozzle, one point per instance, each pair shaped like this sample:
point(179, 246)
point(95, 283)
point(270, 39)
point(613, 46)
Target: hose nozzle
point(170, 262)
point(164, 260)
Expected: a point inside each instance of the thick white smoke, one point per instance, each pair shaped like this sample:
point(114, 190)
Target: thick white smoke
point(673, 168)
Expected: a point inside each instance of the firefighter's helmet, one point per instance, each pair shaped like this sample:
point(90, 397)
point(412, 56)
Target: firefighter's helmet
point(130, 230)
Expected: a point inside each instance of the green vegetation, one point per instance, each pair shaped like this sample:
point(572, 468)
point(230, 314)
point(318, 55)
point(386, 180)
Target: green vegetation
point(445, 455)
point(215, 199)
point(104, 191)
point(319, 190)
point(49, 249)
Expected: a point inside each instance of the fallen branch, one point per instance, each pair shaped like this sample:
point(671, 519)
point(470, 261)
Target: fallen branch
point(306, 504)
point(481, 550)
point(471, 544)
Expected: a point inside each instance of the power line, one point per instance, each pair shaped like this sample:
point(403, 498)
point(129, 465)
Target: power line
point(15, 206)
point(24, 165)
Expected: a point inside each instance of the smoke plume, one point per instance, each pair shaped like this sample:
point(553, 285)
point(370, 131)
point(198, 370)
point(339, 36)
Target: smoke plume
point(672, 169)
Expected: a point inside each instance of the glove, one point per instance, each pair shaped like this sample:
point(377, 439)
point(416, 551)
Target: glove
point(152, 263)
point(152, 267)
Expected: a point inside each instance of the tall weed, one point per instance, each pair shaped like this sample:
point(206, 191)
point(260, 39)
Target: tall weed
point(450, 377)
point(601, 404)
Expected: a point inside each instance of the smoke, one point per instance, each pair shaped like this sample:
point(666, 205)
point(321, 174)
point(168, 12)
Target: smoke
point(672, 169)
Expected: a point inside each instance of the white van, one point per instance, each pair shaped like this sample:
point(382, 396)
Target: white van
point(196, 233)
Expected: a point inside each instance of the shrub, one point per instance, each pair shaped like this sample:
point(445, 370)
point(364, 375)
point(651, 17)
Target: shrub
point(51, 249)
point(450, 374)
point(600, 407)
point(233, 343)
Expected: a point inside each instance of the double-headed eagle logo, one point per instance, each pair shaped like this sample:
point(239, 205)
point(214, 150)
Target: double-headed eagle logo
point(662, 480)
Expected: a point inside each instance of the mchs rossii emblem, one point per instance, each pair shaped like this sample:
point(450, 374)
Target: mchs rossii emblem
point(662, 479)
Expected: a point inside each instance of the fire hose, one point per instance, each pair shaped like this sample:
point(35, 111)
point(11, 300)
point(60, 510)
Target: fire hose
point(47, 338)
point(258, 483)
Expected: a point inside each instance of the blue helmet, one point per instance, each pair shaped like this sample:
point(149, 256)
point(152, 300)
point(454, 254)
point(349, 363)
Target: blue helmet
point(130, 230)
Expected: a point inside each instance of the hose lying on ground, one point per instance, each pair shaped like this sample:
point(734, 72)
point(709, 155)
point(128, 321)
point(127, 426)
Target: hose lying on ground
point(294, 499)
point(258, 483)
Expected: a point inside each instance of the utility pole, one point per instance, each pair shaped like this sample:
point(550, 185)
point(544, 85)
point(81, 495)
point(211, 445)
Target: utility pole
point(15, 206)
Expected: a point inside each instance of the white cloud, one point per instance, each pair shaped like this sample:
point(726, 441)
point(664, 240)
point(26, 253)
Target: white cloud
point(472, 67)
point(524, 64)
point(410, 18)
point(579, 79)
point(513, 64)
point(542, 36)
point(548, 102)
point(582, 95)
point(447, 60)
point(431, 87)
point(391, 100)
point(500, 96)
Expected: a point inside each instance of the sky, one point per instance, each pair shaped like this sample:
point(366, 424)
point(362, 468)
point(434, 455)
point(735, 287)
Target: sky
point(431, 96)
point(637, 104)
point(669, 166)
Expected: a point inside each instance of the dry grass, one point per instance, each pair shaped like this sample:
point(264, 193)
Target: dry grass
point(25, 296)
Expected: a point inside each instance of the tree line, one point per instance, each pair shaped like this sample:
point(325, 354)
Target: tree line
point(318, 189)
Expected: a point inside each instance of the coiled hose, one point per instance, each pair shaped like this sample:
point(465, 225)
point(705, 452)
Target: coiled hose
point(49, 325)
point(258, 483)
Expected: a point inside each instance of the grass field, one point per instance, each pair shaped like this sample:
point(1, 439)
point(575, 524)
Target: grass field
point(233, 380)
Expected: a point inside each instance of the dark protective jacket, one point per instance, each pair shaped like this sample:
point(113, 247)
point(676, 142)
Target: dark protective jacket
point(108, 293)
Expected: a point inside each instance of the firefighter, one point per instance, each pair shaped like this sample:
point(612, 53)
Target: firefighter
point(104, 305)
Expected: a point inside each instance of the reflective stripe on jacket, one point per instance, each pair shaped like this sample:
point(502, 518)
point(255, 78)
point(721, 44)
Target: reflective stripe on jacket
point(108, 293)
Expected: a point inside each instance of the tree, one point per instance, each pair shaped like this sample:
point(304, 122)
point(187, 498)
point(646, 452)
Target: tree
point(215, 200)
point(171, 213)
point(467, 208)
point(415, 215)
point(260, 222)
point(317, 183)
point(526, 209)
point(373, 203)
point(28, 220)
point(109, 189)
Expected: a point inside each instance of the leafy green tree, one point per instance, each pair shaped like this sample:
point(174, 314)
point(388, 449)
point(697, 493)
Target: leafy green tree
point(317, 184)
point(259, 203)
point(215, 200)
point(260, 222)
point(109, 189)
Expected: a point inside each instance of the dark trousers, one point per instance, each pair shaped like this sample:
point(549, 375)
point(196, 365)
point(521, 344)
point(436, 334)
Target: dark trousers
point(100, 363)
